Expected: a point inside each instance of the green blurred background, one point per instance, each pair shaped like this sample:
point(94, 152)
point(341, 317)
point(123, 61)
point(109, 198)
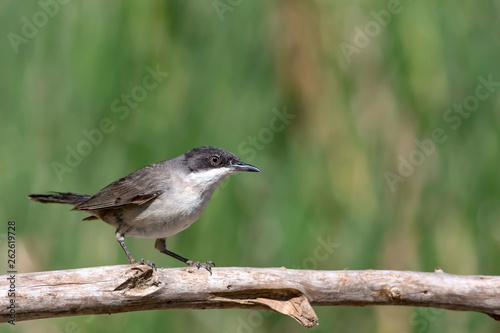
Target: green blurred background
point(360, 80)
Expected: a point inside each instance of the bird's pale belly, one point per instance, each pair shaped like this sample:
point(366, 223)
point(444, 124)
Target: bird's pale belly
point(162, 220)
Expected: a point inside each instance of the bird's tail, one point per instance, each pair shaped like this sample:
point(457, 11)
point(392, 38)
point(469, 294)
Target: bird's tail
point(58, 197)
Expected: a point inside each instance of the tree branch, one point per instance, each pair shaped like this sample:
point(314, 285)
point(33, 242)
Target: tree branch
point(114, 289)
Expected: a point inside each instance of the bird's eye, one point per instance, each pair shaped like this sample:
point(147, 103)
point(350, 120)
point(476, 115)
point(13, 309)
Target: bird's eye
point(215, 159)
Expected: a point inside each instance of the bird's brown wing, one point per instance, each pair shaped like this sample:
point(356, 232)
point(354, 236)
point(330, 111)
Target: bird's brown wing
point(137, 188)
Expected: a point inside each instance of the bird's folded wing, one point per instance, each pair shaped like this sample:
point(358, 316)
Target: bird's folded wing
point(134, 189)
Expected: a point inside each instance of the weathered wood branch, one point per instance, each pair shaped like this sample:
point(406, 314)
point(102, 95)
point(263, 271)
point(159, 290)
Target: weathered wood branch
point(113, 289)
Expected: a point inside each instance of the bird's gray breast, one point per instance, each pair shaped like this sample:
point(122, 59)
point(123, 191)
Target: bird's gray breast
point(168, 214)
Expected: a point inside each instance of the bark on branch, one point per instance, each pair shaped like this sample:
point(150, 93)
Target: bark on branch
point(113, 289)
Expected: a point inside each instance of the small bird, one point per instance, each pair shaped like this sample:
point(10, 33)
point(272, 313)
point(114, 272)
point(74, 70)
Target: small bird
point(158, 200)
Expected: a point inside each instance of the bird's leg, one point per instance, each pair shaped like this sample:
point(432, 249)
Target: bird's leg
point(121, 241)
point(161, 245)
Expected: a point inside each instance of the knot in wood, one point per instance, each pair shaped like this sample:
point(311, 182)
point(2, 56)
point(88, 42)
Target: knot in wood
point(394, 293)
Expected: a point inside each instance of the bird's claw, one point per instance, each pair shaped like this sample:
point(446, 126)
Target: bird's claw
point(207, 265)
point(148, 263)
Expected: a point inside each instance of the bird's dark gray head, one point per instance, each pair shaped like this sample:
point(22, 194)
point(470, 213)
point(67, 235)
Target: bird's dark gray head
point(207, 167)
point(207, 158)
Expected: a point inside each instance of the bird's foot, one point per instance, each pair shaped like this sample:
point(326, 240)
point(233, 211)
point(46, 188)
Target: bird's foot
point(146, 262)
point(207, 265)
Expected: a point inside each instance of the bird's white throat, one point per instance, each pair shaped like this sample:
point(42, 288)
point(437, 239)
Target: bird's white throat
point(208, 179)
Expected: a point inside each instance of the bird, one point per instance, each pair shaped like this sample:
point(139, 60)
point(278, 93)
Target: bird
point(158, 200)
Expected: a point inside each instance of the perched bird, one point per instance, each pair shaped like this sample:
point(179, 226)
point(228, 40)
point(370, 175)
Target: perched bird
point(158, 200)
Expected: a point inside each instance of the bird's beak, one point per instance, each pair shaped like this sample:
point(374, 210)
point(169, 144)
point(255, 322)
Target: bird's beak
point(240, 166)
